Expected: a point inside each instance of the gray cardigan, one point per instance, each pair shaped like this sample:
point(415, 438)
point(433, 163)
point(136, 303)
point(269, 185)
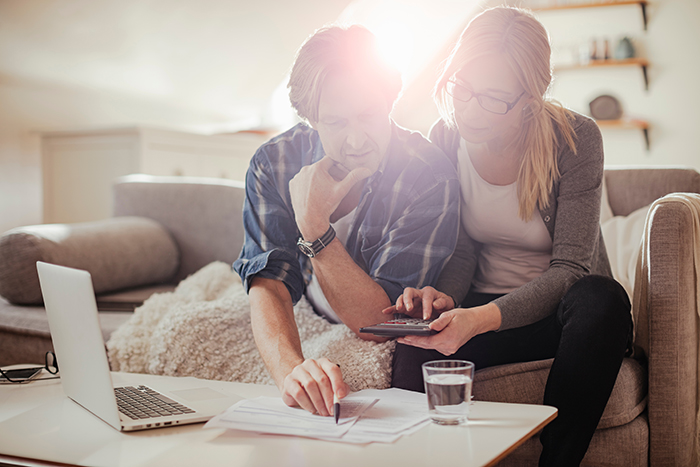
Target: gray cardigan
point(572, 219)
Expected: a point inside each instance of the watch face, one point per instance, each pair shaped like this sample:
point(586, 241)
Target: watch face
point(306, 248)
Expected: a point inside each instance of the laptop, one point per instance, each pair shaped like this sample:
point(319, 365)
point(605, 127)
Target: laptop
point(84, 370)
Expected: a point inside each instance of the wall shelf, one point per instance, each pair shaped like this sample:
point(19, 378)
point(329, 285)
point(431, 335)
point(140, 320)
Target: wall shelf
point(642, 4)
point(627, 124)
point(637, 62)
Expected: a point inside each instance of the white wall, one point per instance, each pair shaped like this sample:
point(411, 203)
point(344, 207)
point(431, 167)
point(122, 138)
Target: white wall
point(29, 107)
point(672, 103)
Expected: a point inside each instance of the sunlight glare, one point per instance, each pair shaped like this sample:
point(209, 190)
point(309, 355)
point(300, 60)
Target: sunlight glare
point(395, 43)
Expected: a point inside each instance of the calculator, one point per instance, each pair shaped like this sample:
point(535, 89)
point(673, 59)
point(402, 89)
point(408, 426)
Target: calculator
point(401, 325)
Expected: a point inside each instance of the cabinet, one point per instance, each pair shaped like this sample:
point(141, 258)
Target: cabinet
point(603, 64)
point(79, 167)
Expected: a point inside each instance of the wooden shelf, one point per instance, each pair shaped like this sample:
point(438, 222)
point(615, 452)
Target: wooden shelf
point(642, 4)
point(643, 63)
point(627, 124)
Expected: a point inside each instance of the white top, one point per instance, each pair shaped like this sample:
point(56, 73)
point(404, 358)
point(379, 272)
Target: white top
point(314, 293)
point(514, 252)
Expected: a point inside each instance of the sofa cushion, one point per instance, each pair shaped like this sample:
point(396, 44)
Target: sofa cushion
point(119, 253)
point(523, 383)
point(25, 336)
point(130, 299)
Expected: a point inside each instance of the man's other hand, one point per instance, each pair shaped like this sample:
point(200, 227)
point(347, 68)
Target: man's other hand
point(316, 194)
point(312, 384)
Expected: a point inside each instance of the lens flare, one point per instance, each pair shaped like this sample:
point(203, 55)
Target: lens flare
point(395, 43)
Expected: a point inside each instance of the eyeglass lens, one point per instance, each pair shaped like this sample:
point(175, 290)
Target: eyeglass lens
point(464, 94)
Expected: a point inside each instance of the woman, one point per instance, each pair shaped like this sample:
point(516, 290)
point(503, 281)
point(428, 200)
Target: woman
point(530, 275)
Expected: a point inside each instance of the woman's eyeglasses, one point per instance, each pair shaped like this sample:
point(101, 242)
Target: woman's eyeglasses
point(488, 103)
point(23, 375)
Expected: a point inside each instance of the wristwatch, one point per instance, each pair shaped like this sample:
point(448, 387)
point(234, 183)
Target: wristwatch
point(311, 249)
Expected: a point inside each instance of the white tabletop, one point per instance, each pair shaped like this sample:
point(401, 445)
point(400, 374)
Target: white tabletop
point(37, 422)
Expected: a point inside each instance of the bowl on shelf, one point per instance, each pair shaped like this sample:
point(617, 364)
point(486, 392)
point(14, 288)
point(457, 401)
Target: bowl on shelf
point(605, 107)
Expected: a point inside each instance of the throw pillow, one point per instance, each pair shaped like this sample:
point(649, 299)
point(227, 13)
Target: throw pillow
point(623, 237)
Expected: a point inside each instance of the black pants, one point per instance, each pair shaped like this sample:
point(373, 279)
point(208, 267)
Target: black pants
point(587, 336)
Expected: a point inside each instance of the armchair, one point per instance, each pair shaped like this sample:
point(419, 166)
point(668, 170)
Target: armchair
point(651, 416)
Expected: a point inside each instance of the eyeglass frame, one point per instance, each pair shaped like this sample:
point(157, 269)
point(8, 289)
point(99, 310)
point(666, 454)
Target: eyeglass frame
point(52, 368)
point(509, 105)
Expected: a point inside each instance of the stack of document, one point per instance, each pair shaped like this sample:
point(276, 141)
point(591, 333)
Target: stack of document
point(367, 416)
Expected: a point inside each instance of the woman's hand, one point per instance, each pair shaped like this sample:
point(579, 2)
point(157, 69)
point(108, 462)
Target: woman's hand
point(424, 303)
point(456, 327)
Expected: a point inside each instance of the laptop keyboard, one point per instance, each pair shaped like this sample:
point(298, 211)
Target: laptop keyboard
point(138, 402)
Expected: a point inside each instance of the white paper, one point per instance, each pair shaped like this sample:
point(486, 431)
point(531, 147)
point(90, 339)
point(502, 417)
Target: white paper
point(271, 415)
point(367, 416)
point(396, 410)
point(396, 413)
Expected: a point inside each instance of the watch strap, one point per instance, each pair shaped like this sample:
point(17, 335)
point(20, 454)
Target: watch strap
point(311, 249)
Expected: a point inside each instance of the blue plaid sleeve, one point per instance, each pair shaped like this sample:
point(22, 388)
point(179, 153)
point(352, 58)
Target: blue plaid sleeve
point(269, 249)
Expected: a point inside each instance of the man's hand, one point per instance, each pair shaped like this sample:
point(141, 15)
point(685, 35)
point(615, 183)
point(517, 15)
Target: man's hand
point(312, 384)
point(316, 194)
point(424, 303)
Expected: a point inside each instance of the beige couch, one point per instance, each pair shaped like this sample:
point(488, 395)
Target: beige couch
point(650, 419)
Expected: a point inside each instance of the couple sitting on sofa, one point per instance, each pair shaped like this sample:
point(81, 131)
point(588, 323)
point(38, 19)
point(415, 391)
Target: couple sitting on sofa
point(500, 213)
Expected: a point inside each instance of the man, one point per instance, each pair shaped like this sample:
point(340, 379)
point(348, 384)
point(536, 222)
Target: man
point(391, 196)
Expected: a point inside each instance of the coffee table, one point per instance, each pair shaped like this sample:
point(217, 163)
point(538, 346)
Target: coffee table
point(39, 425)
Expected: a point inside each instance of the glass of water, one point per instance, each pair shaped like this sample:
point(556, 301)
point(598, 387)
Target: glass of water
point(448, 385)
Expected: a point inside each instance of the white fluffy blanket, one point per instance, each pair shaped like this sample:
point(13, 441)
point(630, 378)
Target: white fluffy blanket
point(202, 329)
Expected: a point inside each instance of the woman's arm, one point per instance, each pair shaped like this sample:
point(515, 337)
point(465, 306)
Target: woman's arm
point(576, 214)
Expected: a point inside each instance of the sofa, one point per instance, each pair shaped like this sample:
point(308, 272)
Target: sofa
point(166, 228)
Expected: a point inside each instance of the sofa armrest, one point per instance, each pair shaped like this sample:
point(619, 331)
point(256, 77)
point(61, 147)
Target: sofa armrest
point(119, 253)
point(673, 336)
point(204, 215)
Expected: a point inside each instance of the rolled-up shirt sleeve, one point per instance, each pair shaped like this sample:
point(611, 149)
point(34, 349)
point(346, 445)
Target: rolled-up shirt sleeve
point(269, 250)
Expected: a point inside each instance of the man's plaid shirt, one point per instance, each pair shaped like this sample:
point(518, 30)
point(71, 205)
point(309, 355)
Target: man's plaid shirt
point(404, 229)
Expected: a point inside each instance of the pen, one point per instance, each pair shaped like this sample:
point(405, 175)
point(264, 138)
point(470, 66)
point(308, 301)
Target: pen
point(336, 408)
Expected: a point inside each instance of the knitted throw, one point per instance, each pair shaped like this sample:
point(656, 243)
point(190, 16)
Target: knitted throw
point(202, 329)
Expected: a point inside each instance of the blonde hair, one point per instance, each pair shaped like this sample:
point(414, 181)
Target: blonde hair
point(337, 49)
point(523, 42)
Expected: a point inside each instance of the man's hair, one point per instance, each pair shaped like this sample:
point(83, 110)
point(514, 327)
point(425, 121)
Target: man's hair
point(338, 49)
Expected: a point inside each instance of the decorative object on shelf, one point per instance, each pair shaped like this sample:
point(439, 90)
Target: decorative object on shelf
point(584, 54)
point(606, 49)
point(624, 49)
point(605, 107)
point(593, 50)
